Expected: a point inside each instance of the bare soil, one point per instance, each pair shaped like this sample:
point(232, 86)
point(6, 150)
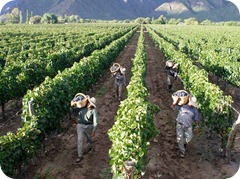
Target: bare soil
point(203, 159)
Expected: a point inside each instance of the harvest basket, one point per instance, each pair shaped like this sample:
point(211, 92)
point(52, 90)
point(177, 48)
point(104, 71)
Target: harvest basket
point(183, 95)
point(115, 67)
point(81, 100)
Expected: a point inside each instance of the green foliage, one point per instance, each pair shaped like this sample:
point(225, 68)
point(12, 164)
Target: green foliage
point(174, 21)
point(206, 22)
point(134, 124)
point(40, 57)
point(51, 103)
point(160, 20)
point(191, 21)
point(215, 48)
point(215, 107)
point(35, 20)
point(49, 18)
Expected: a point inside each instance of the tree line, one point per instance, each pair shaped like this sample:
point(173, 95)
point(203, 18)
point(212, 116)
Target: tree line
point(16, 17)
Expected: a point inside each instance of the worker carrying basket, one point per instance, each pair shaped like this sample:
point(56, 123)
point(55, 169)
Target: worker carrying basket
point(79, 101)
point(172, 73)
point(118, 72)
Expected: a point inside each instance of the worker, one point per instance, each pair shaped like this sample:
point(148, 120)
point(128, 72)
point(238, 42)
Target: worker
point(188, 114)
point(87, 123)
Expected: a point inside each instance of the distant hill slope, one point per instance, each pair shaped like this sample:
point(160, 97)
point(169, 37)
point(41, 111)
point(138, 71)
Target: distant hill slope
point(215, 10)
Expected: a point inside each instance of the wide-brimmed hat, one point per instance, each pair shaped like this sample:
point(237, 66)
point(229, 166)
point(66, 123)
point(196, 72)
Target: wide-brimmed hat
point(193, 101)
point(92, 101)
point(123, 70)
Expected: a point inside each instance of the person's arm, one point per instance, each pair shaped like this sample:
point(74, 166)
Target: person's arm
point(175, 75)
point(175, 105)
point(95, 121)
point(73, 103)
point(196, 121)
point(124, 80)
point(195, 116)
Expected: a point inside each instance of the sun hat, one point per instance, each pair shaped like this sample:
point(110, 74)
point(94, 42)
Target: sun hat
point(92, 101)
point(123, 70)
point(169, 63)
point(193, 101)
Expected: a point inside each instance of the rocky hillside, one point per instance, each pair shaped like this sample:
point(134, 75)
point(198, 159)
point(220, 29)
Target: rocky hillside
point(215, 10)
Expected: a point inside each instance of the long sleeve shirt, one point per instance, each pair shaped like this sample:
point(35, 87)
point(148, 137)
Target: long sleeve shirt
point(187, 114)
point(88, 116)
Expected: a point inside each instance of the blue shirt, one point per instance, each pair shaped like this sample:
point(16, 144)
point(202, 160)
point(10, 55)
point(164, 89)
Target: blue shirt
point(119, 78)
point(187, 114)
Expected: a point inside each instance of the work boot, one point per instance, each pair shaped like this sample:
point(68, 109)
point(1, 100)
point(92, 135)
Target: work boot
point(182, 155)
point(79, 159)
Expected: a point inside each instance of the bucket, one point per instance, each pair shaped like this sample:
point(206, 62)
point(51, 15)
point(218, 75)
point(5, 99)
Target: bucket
point(183, 95)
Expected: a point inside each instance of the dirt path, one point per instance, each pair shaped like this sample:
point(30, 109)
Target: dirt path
point(61, 150)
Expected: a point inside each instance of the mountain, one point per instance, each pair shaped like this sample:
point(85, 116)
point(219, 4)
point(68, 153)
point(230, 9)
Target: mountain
point(214, 10)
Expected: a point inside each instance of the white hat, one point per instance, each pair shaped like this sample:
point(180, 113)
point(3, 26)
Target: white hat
point(169, 63)
point(193, 101)
point(92, 100)
point(123, 70)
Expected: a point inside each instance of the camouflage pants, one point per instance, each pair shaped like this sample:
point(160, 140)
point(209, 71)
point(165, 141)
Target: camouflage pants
point(184, 136)
point(83, 129)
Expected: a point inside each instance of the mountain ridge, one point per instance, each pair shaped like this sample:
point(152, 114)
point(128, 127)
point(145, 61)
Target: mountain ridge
point(214, 10)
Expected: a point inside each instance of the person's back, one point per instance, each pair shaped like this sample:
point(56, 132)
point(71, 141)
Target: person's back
point(119, 77)
point(87, 124)
point(187, 114)
point(171, 73)
point(119, 81)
